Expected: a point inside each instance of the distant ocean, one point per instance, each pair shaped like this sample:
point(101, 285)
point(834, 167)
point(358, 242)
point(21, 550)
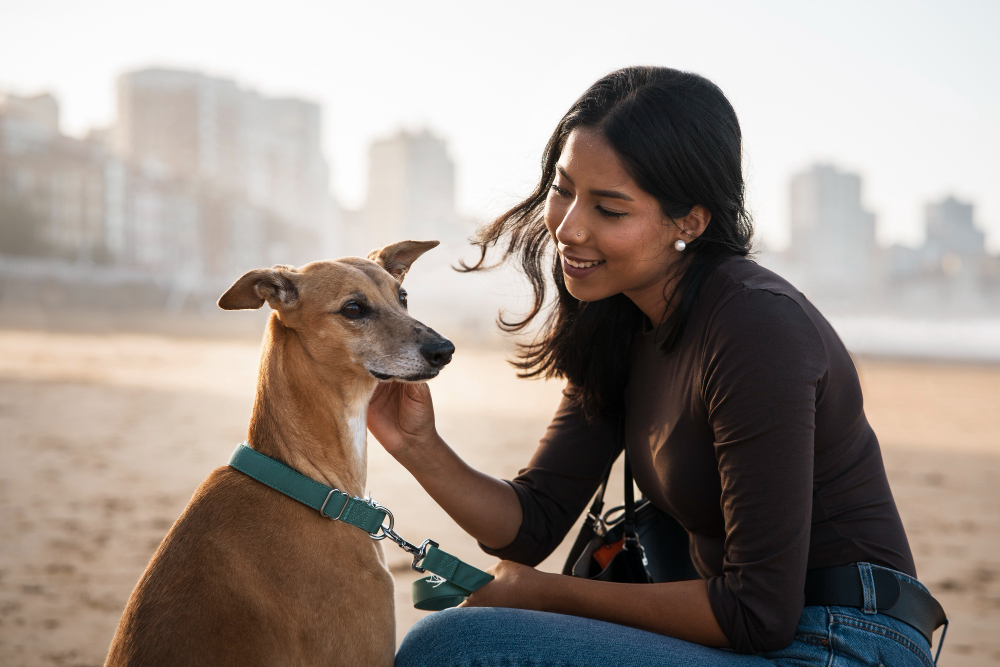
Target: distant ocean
point(965, 340)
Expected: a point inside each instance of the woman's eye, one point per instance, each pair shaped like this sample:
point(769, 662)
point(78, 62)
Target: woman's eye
point(610, 214)
point(559, 191)
point(352, 310)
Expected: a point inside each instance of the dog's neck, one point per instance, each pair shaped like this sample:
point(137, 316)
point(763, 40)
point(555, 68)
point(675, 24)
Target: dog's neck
point(313, 423)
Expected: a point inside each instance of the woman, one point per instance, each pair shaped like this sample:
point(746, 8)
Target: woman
point(742, 411)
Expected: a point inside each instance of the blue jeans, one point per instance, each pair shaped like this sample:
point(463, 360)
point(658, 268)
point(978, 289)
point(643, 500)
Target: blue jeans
point(494, 637)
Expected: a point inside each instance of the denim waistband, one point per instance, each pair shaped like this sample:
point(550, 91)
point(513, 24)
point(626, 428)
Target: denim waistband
point(869, 608)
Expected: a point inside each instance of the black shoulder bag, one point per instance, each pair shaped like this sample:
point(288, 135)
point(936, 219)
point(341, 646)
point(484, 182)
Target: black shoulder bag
point(632, 543)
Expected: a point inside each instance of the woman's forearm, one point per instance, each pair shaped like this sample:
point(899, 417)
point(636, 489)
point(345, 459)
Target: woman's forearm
point(484, 506)
point(679, 609)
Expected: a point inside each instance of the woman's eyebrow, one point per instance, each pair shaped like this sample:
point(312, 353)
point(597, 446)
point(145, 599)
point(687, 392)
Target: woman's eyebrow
point(611, 194)
point(564, 174)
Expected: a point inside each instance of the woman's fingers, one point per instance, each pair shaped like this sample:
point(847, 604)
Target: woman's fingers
point(383, 414)
point(416, 413)
point(511, 587)
point(400, 415)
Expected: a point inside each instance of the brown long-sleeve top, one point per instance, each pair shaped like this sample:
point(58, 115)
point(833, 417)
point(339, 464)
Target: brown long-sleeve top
point(751, 432)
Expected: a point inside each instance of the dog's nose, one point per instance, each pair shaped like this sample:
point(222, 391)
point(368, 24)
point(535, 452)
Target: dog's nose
point(438, 352)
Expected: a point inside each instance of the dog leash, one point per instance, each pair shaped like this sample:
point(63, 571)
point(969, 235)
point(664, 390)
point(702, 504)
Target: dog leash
point(453, 580)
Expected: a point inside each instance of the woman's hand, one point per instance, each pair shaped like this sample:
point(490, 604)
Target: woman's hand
point(401, 416)
point(514, 586)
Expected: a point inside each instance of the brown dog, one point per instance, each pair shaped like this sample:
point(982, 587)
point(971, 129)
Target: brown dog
point(247, 575)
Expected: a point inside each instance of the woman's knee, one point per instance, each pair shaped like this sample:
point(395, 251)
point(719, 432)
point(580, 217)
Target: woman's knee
point(442, 637)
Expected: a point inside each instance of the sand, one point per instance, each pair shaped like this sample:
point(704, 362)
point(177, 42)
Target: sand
point(104, 438)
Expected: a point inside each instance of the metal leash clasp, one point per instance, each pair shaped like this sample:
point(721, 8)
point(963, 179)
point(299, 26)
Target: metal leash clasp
point(384, 531)
point(418, 553)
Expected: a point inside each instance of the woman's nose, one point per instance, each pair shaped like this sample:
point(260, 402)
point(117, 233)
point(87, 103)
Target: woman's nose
point(572, 230)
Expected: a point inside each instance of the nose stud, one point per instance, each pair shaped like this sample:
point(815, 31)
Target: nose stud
point(579, 233)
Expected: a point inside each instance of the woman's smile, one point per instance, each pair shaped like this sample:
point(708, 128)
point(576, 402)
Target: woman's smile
point(576, 267)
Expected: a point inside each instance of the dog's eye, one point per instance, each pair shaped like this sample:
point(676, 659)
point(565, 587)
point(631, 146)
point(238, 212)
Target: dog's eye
point(402, 298)
point(352, 310)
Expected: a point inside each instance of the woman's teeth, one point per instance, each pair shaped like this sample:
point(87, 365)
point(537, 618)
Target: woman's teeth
point(582, 265)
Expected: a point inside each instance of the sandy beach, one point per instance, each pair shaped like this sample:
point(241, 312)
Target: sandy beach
point(104, 438)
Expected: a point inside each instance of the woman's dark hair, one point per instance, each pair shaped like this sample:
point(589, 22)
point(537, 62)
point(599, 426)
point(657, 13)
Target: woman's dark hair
point(679, 138)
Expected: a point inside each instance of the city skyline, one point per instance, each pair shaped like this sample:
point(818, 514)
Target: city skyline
point(856, 85)
point(421, 147)
point(191, 186)
point(186, 124)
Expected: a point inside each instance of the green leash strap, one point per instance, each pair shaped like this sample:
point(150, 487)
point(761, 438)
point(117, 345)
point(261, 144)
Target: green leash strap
point(453, 580)
point(330, 503)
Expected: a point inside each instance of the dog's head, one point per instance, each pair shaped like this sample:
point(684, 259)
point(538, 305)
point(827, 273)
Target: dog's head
point(351, 310)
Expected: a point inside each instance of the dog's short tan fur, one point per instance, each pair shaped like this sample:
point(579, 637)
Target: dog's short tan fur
point(248, 576)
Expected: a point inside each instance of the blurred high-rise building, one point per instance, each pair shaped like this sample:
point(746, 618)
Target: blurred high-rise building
point(950, 230)
point(833, 236)
point(57, 193)
point(191, 126)
point(30, 115)
point(953, 245)
point(411, 189)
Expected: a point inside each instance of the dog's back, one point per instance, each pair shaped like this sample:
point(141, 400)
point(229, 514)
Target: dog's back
point(247, 576)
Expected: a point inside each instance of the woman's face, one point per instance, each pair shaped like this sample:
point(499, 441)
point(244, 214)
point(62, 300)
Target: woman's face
point(611, 235)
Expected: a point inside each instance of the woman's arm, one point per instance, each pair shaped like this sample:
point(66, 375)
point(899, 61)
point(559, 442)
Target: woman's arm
point(765, 362)
point(401, 417)
point(521, 520)
point(679, 609)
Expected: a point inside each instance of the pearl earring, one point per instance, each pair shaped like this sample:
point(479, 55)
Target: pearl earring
point(680, 245)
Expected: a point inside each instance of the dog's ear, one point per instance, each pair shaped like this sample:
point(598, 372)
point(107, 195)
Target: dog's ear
point(275, 285)
point(397, 258)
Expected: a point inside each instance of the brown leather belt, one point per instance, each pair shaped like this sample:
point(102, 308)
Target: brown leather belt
point(842, 586)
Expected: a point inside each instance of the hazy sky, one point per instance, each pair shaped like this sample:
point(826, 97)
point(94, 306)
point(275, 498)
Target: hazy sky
point(905, 93)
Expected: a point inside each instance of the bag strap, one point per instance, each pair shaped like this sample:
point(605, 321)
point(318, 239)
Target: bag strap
point(597, 507)
point(629, 527)
point(593, 525)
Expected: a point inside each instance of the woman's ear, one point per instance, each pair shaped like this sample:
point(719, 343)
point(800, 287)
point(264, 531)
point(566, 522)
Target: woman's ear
point(694, 223)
